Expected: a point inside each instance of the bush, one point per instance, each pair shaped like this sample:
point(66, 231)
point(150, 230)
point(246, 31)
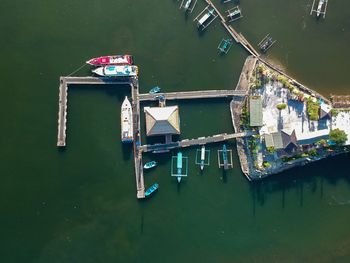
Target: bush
point(270, 149)
point(339, 137)
point(266, 164)
point(313, 109)
point(313, 152)
point(281, 106)
point(334, 112)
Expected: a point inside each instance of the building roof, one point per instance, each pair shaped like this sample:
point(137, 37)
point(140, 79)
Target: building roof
point(255, 111)
point(325, 110)
point(281, 139)
point(162, 120)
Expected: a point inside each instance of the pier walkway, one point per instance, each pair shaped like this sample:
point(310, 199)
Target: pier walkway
point(63, 100)
point(238, 37)
point(140, 185)
point(340, 101)
point(201, 94)
point(159, 147)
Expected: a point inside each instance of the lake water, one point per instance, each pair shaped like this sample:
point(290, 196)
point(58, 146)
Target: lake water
point(79, 204)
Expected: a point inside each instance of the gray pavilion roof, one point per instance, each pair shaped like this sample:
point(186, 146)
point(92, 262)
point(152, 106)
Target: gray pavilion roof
point(162, 120)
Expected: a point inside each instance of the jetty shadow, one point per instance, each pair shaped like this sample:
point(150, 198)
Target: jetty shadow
point(224, 176)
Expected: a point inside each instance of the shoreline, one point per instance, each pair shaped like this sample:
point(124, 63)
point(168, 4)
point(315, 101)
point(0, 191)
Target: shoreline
point(244, 153)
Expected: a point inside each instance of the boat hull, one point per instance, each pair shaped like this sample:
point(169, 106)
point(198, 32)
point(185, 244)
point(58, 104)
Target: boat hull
point(116, 71)
point(111, 60)
point(127, 135)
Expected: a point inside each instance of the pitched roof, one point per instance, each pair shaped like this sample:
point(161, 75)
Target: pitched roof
point(255, 111)
point(281, 139)
point(162, 120)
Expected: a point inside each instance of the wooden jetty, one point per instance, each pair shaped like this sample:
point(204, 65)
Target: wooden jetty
point(200, 94)
point(62, 117)
point(140, 185)
point(207, 16)
point(321, 8)
point(162, 147)
point(63, 99)
point(188, 5)
point(340, 101)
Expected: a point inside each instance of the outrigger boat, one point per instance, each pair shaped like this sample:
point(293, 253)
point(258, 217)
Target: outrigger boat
point(150, 165)
point(154, 90)
point(225, 45)
point(202, 157)
point(116, 71)
point(111, 60)
point(187, 4)
point(179, 166)
point(151, 190)
point(319, 7)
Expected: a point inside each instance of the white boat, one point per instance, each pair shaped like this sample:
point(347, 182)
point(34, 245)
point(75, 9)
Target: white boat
point(126, 122)
point(319, 7)
point(205, 17)
point(116, 71)
point(187, 4)
point(202, 157)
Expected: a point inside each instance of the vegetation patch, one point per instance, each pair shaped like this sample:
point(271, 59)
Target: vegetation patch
point(313, 109)
point(281, 106)
point(338, 136)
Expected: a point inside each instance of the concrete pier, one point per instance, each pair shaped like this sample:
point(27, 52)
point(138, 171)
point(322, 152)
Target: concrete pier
point(193, 142)
point(200, 94)
point(63, 99)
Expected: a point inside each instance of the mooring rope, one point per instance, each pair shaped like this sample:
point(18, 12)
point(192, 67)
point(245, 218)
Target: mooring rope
point(75, 71)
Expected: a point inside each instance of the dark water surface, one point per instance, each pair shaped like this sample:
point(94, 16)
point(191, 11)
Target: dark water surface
point(79, 204)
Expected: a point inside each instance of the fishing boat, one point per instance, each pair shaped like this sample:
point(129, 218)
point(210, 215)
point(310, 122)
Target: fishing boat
point(225, 45)
point(154, 90)
point(126, 122)
point(187, 4)
point(151, 190)
point(319, 7)
point(111, 60)
point(116, 71)
point(179, 166)
point(202, 157)
point(205, 17)
point(150, 165)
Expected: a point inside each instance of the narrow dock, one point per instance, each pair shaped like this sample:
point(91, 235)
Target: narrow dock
point(140, 184)
point(201, 94)
point(193, 142)
point(63, 100)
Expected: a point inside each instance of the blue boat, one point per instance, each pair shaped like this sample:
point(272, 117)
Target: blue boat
point(179, 166)
point(150, 165)
point(151, 190)
point(154, 90)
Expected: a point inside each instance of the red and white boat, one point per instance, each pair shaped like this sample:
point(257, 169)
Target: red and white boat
point(111, 60)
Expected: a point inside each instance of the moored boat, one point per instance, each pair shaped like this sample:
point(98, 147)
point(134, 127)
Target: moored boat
point(319, 7)
point(151, 190)
point(126, 122)
point(150, 165)
point(154, 90)
point(202, 157)
point(111, 60)
point(116, 71)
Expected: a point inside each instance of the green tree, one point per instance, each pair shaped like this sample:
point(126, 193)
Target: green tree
point(281, 106)
point(338, 136)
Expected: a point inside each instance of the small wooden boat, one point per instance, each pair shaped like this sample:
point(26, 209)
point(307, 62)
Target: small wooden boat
point(151, 190)
point(150, 165)
point(202, 157)
point(111, 60)
point(154, 90)
point(225, 45)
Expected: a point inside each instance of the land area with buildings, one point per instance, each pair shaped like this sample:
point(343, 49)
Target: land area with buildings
point(293, 125)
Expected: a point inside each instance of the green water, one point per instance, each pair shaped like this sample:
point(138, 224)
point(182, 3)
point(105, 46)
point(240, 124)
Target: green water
point(79, 204)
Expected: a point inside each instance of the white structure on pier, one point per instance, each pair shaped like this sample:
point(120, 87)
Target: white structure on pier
point(162, 120)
